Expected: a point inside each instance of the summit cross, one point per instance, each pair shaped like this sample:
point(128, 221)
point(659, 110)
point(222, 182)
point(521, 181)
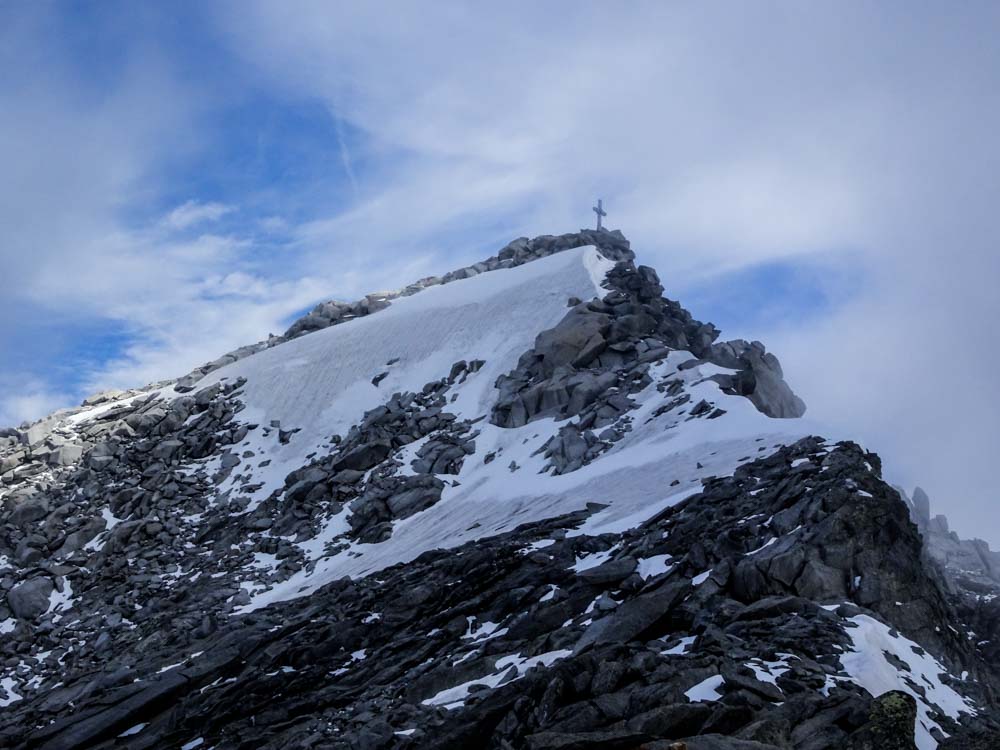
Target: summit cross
point(599, 210)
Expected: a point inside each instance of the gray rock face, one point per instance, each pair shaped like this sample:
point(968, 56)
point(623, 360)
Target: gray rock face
point(759, 378)
point(601, 351)
point(30, 599)
point(287, 676)
point(969, 563)
point(969, 569)
point(629, 647)
point(921, 508)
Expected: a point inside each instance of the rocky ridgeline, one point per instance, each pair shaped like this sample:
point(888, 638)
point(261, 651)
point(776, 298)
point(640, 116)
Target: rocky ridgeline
point(639, 312)
point(612, 244)
point(133, 530)
point(971, 574)
point(604, 347)
point(971, 562)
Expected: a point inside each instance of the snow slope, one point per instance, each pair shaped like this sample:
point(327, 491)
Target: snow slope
point(321, 384)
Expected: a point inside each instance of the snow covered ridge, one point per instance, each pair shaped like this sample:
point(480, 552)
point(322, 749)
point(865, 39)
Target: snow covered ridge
point(542, 486)
point(613, 245)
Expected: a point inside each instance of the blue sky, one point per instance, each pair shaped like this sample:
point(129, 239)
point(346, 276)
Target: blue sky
point(184, 178)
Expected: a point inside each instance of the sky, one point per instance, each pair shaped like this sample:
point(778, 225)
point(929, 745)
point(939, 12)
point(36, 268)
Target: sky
point(181, 179)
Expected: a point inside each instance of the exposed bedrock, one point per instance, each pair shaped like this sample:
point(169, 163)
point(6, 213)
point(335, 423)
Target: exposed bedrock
point(969, 570)
point(603, 345)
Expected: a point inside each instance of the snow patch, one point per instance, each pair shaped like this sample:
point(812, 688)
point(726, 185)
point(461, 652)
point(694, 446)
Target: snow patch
point(654, 566)
point(454, 697)
point(867, 665)
point(706, 690)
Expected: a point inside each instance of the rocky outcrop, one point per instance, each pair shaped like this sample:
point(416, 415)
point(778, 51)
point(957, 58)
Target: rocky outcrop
point(970, 572)
point(187, 383)
point(601, 351)
point(758, 377)
point(970, 562)
point(359, 472)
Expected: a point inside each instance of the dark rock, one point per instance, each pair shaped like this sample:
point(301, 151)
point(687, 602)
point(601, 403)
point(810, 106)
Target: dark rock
point(30, 599)
point(610, 572)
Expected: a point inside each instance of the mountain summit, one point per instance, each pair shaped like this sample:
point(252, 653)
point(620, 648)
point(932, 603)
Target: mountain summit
point(531, 503)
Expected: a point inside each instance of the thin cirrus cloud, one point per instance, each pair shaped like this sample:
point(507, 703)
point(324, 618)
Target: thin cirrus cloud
point(828, 166)
point(192, 213)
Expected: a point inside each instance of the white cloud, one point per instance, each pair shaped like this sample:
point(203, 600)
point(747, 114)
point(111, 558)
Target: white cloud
point(29, 404)
point(193, 213)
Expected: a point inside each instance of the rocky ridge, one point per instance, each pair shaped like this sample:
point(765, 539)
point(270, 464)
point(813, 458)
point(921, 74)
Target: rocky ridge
point(971, 573)
point(333, 312)
point(135, 541)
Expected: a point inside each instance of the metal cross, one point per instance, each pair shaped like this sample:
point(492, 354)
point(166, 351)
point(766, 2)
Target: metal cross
point(599, 210)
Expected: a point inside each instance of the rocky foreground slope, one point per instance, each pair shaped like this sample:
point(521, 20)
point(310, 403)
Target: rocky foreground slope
point(530, 504)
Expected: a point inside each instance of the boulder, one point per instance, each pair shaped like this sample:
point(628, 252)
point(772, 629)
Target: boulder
point(165, 450)
point(28, 511)
point(12, 461)
point(759, 377)
point(612, 571)
point(30, 599)
point(66, 454)
point(37, 432)
point(364, 456)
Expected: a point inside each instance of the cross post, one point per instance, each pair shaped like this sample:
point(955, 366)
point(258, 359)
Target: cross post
point(599, 210)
